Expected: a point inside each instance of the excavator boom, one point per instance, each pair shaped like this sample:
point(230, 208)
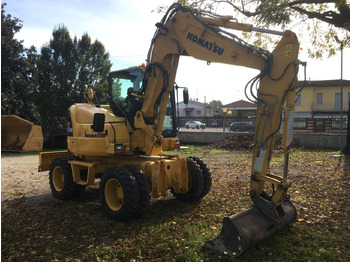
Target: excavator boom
point(185, 32)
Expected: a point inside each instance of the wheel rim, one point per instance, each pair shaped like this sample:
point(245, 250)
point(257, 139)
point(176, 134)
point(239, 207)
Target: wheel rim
point(114, 194)
point(58, 178)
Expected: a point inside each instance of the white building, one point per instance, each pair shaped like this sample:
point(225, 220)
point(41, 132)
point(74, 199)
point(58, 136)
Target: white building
point(241, 108)
point(194, 109)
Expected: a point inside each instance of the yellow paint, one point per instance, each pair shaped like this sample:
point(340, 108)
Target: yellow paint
point(288, 51)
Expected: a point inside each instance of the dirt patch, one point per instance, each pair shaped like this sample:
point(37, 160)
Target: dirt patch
point(20, 179)
point(241, 142)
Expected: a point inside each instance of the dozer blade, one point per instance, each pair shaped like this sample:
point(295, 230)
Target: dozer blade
point(243, 230)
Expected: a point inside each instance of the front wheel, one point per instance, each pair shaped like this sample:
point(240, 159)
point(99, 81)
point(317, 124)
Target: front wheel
point(61, 179)
point(119, 193)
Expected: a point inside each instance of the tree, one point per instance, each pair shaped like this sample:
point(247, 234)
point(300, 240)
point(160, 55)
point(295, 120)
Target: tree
point(56, 75)
point(323, 19)
point(17, 71)
point(100, 65)
point(216, 106)
point(66, 68)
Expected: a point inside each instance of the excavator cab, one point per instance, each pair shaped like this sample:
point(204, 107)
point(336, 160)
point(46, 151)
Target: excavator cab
point(125, 98)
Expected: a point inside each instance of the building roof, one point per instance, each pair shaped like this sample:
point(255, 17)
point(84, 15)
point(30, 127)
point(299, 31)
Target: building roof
point(196, 103)
point(240, 103)
point(324, 83)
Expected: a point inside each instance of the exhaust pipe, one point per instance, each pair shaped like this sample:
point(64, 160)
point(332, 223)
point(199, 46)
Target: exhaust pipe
point(243, 230)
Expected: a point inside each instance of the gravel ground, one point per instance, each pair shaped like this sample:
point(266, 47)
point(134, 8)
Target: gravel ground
point(20, 179)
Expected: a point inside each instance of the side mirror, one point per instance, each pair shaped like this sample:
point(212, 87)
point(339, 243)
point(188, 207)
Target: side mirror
point(185, 95)
point(99, 122)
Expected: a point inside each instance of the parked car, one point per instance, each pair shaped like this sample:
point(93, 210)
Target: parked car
point(194, 124)
point(242, 126)
point(214, 123)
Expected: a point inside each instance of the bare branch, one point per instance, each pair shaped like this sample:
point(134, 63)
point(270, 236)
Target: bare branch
point(329, 17)
point(240, 10)
point(300, 2)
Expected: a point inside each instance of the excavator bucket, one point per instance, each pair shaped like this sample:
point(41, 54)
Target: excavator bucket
point(20, 135)
point(243, 230)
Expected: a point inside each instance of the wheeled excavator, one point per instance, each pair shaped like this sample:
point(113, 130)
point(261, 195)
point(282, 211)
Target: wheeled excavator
point(125, 143)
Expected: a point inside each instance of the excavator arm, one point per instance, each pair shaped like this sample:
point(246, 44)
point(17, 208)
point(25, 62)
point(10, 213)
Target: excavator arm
point(185, 32)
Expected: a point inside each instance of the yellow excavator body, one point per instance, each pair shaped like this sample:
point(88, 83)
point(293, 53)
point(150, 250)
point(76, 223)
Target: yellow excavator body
point(122, 142)
point(20, 135)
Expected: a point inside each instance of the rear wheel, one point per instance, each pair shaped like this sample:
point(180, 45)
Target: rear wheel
point(61, 179)
point(119, 193)
point(187, 127)
point(195, 183)
point(206, 175)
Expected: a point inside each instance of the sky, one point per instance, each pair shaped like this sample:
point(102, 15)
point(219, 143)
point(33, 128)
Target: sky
point(126, 28)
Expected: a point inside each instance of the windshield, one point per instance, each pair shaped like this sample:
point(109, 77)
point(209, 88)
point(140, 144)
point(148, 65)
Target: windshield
point(122, 82)
point(123, 89)
point(170, 119)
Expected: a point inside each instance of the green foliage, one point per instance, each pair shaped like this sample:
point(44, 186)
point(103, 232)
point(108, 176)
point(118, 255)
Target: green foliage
point(42, 87)
point(216, 105)
point(67, 67)
point(17, 71)
point(116, 89)
point(274, 12)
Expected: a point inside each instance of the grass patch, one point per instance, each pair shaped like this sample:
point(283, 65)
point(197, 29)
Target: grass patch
point(200, 150)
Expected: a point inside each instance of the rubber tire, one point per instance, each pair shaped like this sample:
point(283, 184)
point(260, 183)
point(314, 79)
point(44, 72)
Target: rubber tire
point(197, 127)
point(206, 174)
point(195, 183)
point(187, 127)
point(69, 187)
point(130, 189)
point(144, 188)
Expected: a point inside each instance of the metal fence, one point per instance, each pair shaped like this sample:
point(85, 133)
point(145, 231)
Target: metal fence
point(309, 125)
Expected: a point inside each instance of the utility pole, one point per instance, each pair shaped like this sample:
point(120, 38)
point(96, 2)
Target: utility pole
point(341, 93)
